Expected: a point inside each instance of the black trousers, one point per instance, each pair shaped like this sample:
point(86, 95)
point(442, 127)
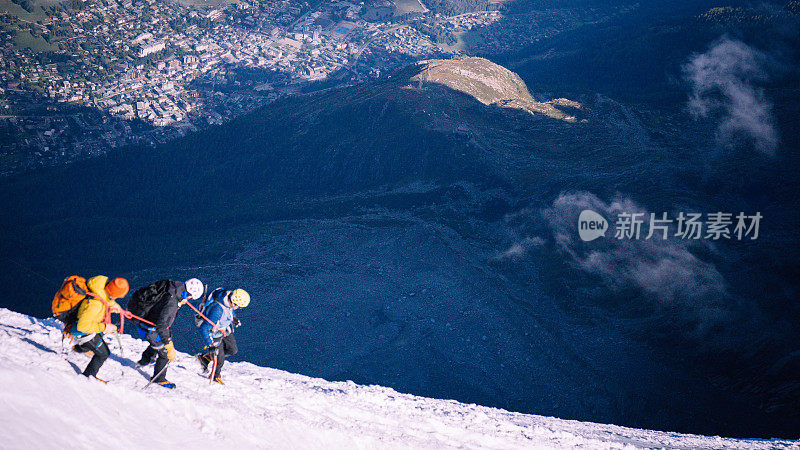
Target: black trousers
point(225, 347)
point(101, 353)
point(150, 353)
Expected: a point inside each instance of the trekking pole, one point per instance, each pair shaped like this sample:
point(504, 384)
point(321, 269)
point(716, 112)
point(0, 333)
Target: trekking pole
point(156, 375)
point(119, 341)
point(121, 328)
point(214, 367)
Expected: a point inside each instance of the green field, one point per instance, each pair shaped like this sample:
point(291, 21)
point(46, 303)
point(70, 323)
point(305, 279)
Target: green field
point(463, 41)
point(408, 6)
point(18, 12)
point(24, 39)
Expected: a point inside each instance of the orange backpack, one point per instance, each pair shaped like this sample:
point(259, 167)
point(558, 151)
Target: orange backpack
point(67, 299)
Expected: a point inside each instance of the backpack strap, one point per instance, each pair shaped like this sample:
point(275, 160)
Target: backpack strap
point(77, 288)
point(107, 315)
point(224, 311)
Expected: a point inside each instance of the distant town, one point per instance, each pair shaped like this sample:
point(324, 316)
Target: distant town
point(80, 78)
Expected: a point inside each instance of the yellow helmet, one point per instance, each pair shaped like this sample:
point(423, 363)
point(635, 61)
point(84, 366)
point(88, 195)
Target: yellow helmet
point(240, 298)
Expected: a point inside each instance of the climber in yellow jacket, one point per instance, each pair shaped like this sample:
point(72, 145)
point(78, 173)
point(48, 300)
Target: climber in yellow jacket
point(94, 319)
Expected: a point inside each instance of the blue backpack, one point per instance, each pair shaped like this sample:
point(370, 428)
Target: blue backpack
point(217, 295)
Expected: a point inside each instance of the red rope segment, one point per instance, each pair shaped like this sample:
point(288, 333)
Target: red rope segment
point(224, 333)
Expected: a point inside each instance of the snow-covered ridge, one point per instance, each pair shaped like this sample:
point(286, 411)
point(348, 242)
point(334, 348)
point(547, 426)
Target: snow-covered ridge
point(47, 405)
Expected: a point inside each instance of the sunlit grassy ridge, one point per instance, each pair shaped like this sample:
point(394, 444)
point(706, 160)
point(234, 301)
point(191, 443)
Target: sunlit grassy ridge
point(491, 84)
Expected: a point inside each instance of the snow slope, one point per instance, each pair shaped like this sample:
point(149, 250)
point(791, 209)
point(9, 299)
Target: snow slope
point(45, 404)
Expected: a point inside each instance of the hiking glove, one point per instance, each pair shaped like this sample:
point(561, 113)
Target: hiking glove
point(170, 347)
point(236, 322)
point(110, 328)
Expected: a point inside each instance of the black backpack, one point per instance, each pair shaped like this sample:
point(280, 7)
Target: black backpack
point(143, 300)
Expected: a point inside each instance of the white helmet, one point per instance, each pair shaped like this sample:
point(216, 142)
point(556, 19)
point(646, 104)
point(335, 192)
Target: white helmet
point(195, 288)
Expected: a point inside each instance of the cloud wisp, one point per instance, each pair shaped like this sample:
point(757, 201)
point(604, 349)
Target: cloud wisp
point(666, 270)
point(671, 280)
point(723, 81)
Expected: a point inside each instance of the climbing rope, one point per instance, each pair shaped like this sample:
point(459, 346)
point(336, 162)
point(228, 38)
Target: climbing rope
point(224, 333)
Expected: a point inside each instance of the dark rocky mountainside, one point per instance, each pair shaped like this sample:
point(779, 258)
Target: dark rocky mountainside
point(394, 232)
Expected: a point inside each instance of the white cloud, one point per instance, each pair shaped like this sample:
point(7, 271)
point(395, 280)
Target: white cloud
point(722, 81)
point(666, 273)
point(519, 250)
